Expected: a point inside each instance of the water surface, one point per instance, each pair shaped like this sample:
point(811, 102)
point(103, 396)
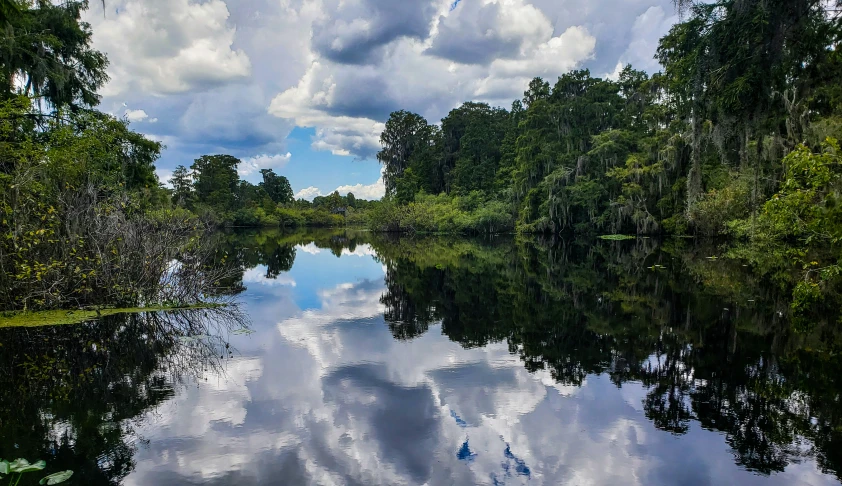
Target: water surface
point(361, 359)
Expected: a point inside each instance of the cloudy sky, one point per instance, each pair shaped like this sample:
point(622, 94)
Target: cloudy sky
point(304, 86)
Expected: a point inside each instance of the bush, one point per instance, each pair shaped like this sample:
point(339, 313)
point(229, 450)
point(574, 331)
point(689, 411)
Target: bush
point(471, 214)
point(710, 216)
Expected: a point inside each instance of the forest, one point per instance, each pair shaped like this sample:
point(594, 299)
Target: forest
point(736, 135)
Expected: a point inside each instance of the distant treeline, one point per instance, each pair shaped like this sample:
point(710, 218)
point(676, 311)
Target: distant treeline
point(212, 189)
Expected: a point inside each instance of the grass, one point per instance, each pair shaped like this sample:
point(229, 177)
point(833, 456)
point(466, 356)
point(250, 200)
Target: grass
point(64, 317)
point(617, 237)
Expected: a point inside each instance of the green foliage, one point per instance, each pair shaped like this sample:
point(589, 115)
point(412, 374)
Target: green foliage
point(807, 206)
point(472, 214)
point(17, 468)
point(687, 150)
point(47, 46)
point(216, 182)
point(277, 187)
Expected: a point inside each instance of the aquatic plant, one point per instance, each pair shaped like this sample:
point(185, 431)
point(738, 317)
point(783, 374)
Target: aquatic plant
point(17, 468)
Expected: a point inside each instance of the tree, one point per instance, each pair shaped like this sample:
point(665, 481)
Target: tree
point(47, 48)
point(471, 139)
point(404, 135)
point(215, 181)
point(182, 184)
point(276, 186)
point(351, 200)
point(334, 201)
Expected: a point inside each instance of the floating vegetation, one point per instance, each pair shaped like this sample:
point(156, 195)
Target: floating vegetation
point(242, 331)
point(617, 237)
point(64, 317)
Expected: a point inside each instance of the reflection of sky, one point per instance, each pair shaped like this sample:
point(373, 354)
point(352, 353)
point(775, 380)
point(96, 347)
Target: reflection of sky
point(323, 394)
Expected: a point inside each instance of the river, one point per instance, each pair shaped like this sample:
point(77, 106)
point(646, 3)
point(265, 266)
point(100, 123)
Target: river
point(355, 358)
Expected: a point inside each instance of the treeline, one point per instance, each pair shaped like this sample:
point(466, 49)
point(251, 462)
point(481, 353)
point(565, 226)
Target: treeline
point(748, 90)
point(83, 219)
point(212, 189)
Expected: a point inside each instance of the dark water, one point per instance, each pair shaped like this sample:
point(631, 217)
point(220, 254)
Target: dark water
point(366, 360)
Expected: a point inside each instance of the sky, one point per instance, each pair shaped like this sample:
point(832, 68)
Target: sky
point(304, 86)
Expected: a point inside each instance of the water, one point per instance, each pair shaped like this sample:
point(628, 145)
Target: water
point(367, 360)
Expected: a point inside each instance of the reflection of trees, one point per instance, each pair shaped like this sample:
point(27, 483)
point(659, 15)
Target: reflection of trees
point(74, 395)
point(708, 338)
point(274, 248)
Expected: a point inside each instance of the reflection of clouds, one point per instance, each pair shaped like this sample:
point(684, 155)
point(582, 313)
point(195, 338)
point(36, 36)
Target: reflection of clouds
point(310, 248)
point(364, 250)
point(221, 399)
point(313, 328)
point(257, 275)
point(330, 397)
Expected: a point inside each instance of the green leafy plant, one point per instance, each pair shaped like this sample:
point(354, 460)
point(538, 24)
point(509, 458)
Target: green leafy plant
point(17, 468)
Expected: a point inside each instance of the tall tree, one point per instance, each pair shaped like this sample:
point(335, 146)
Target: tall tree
point(471, 138)
point(46, 52)
point(215, 180)
point(182, 185)
point(404, 135)
point(277, 187)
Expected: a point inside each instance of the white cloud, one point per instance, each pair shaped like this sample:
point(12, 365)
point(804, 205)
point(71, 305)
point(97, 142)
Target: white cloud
point(479, 32)
point(164, 176)
point(309, 103)
point(136, 115)
point(167, 46)
point(257, 275)
point(646, 32)
point(554, 57)
point(308, 193)
point(254, 164)
point(369, 192)
point(235, 76)
point(310, 248)
point(348, 103)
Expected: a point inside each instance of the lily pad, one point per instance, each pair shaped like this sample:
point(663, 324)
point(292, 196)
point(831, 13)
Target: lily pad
point(57, 478)
point(21, 466)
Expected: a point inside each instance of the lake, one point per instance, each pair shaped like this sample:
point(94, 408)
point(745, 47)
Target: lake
point(356, 358)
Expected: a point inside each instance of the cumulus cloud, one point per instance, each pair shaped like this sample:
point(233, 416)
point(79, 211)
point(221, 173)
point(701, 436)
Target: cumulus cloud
point(236, 76)
point(370, 192)
point(647, 30)
point(308, 193)
point(365, 191)
point(486, 52)
point(354, 32)
point(252, 165)
point(168, 46)
point(136, 115)
point(478, 33)
point(164, 176)
point(316, 101)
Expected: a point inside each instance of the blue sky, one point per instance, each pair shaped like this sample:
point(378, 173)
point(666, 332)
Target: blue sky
point(304, 86)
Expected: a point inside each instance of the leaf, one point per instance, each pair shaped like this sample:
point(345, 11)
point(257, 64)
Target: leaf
point(4, 467)
point(21, 466)
point(57, 478)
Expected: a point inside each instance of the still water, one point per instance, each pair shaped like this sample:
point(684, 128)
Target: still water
point(359, 359)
